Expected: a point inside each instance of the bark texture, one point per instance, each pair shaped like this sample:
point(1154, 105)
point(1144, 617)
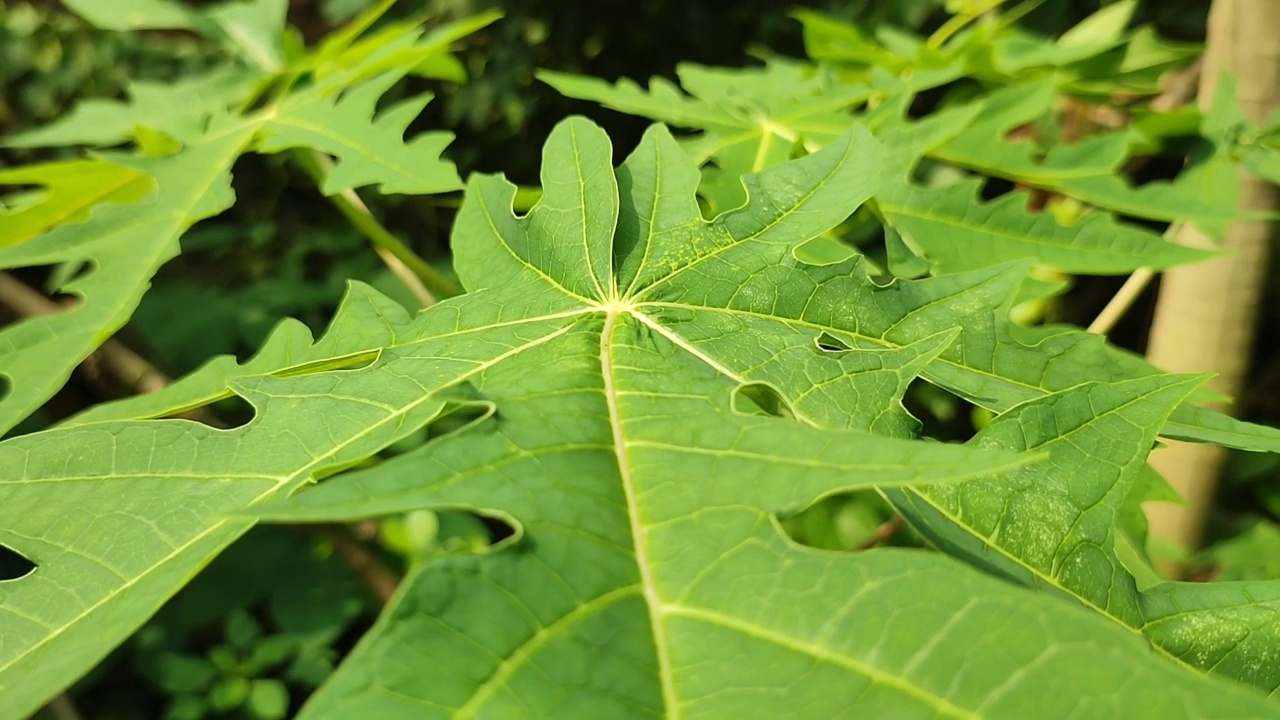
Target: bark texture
point(1207, 313)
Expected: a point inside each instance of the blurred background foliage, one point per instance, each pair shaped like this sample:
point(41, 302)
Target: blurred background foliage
point(284, 251)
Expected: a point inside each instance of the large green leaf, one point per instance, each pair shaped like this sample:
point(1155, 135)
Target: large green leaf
point(1054, 525)
point(645, 553)
point(123, 246)
point(626, 430)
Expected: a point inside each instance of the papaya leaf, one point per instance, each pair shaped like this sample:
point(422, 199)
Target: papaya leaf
point(644, 544)
point(173, 488)
point(123, 246)
point(177, 109)
point(955, 231)
point(1088, 170)
point(1099, 56)
point(364, 324)
point(1228, 628)
point(1054, 525)
point(751, 118)
point(947, 225)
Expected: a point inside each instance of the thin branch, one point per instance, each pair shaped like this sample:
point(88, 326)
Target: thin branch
point(426, 282)
point(125, 364)
point(63, 708)
point(361, 561)
point(882, 534)
point(1128, 293)
point(1121, 301)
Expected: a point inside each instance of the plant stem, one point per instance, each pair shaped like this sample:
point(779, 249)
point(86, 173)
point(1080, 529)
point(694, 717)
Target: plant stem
point(953, 25)
point(1121, 301)
point(427, 283)
point(361, 561)
point(128, 366)
point(886, 530)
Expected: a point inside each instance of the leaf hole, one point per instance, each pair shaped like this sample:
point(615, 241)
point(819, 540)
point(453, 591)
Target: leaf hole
point(832, 344)
point(761, 399)
point(13, 564)
point(845, 522)
point(226, 413)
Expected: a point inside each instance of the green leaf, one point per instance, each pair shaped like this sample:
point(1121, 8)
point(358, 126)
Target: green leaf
point(1103, 28)
point(254, 29)
point(135, 14)
point(70, 189)
point(123, 246)
point(656, 543)
point(176, 109)
point(268, 700)
point(1088, 170)
point(364, 323)
point(1228, 628)
point(370, 151)
point(948, 225)
point(751, 117)
point(653, 538)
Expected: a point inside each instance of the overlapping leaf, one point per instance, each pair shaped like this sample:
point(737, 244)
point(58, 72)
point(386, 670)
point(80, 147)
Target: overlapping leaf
point(953, 230)
point(1089, 170)
point(751, 118)
point(124, 245)
point(1098, 56)
point(947, 224)
point(997, 365)
point(1053, 526)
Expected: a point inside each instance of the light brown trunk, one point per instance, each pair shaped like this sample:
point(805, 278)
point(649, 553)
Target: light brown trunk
point(1207, 313)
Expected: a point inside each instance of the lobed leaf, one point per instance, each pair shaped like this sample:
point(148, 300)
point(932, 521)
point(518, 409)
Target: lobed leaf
point(122, 247)
point(639, 443)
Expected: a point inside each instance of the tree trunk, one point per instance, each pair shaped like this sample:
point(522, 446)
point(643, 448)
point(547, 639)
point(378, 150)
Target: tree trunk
point(1207, 313)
